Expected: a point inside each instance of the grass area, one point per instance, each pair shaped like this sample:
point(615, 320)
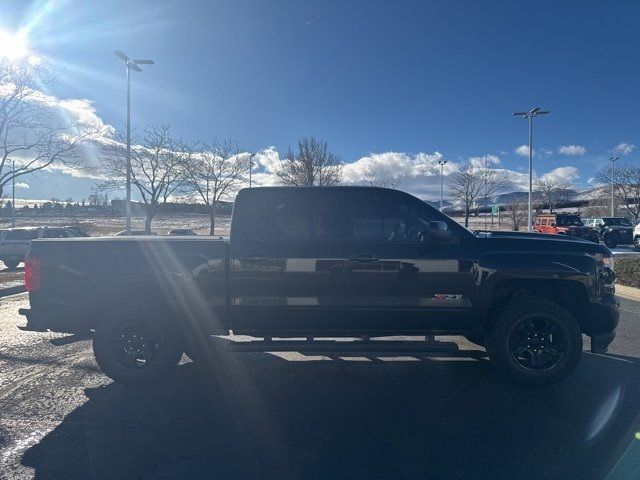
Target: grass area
point(628, 271)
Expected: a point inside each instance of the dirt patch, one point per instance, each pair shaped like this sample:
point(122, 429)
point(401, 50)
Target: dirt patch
point(11, 278)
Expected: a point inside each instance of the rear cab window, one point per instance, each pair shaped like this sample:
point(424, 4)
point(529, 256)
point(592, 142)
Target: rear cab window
point(20, 235)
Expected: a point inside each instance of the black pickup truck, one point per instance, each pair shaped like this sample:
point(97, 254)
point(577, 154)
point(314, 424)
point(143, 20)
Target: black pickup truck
point(359, 262)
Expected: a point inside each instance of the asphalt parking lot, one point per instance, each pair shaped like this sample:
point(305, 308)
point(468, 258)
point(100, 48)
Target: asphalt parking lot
point(295, 416)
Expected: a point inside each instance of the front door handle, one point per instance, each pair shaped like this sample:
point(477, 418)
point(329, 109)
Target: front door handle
point(363, 258)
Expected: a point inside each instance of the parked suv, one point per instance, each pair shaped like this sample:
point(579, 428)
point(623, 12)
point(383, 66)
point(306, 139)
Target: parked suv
point(16, 242)
point(613, 231)
point(564, 224)
point(636, 237)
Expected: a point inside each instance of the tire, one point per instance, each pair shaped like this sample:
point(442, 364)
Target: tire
point(137, 346)
point(636, 243)
point(11, 263)
point(611, 240)
point(534, 342)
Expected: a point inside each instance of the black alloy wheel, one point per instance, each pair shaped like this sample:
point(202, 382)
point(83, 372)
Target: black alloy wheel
point(537, 343)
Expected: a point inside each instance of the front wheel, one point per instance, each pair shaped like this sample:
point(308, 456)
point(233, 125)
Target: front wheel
point(136, 346)
point(636, 243)
point(534, 342)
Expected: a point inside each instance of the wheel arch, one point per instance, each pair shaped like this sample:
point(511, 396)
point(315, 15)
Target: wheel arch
point(571, 295)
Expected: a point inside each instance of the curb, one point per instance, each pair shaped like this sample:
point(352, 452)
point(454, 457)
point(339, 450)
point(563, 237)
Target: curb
point(5, 292)
point(630, 293)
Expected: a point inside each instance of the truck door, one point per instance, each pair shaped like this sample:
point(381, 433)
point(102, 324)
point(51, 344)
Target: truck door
point(286, 262)
point(398, 276)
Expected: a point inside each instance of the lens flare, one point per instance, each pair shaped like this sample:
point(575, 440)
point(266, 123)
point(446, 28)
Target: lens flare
point(13, 46)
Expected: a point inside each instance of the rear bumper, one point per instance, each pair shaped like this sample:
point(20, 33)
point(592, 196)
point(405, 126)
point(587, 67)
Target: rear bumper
point(58, 319)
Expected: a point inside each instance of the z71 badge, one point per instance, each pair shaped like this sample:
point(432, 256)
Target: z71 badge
point(447, 297)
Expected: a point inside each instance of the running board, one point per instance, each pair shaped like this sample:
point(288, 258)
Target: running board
point(394, 346)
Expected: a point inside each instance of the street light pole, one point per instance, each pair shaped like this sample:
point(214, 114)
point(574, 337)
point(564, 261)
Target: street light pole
point(613, 169)
point(13, 193)
point(128, 198)
point(441, 163)
point(530, 115)
point(129, 64)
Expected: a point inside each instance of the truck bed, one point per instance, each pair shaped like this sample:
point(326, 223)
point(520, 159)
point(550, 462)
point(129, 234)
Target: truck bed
point(80, 278)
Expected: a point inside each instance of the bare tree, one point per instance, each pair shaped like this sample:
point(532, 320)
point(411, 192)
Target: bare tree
point(312, 165)
point(466, 186)
point(518, 214)
point(214, 172)
point(31, 135)
point(626, 181)
point(493, 182)
point(155, 168)
point(552, 192)
point(373, 180)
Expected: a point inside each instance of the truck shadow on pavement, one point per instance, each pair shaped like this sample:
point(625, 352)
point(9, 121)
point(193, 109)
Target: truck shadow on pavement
point(261, 416)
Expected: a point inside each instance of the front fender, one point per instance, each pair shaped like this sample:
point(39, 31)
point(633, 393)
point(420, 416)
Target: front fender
point(496, 267)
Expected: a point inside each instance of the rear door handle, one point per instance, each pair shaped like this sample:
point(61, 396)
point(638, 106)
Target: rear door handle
point(363, 258)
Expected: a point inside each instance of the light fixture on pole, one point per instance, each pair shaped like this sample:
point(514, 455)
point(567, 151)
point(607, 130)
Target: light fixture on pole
point(130, 64)
point(441, 163)
point(530, 115)
point(613, 181)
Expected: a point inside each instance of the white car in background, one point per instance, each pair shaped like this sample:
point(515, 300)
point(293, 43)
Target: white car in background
point(15, 243)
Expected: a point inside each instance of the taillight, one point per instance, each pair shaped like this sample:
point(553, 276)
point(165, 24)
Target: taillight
point(32, 273)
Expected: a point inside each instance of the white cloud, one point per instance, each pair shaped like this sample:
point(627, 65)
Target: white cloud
point(572, 150)
point(523, 150)
point(624, 148)
point(562, 174)
point(485, 161)
point(546, 152)
point(22, 185)
point(418, 174)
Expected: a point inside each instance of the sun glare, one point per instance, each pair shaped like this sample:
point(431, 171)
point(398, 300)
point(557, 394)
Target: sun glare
point(13, 46)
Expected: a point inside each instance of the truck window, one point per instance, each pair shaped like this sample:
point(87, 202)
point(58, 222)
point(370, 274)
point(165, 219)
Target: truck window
point(53, 233)
point(378, 220)
point(21, 235)
point(291, 218)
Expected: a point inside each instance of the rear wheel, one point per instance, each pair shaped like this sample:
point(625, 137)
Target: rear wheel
point(636, 243)
point(534, 342)
point(137, 346)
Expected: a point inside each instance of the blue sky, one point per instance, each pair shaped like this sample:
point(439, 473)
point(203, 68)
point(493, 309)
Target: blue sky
point(392, 81)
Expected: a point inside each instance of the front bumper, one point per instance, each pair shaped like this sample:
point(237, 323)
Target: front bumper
point(604, 315)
